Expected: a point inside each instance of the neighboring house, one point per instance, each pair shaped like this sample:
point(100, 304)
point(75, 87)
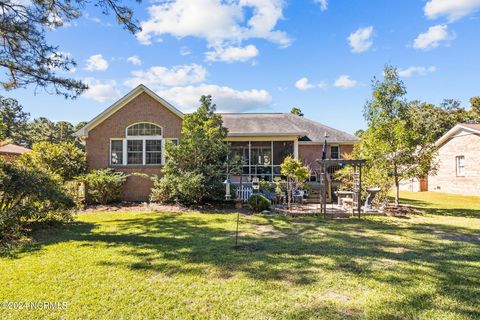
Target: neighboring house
point(458, 161)
point(131, 134)
point(415, 184)
point(11, 152)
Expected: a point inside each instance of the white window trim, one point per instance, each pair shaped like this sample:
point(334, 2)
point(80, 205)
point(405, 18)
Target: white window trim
point(146, 122)
point(457, 166)
point(144, 151)
point(339, 151)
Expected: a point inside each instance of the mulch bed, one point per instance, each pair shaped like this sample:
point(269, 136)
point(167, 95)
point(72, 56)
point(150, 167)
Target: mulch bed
point(154, 207)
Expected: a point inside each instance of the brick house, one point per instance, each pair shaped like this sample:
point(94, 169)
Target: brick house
point(458, 161)
point(130, 136)
point(11, 152)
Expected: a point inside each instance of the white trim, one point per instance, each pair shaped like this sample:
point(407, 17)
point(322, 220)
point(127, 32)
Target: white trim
point(267, 134)
point(335, 145)
point(110, 152)
point(144, 152)
point(316, 143)
point(83, 132)
point(140, 122)
point(450, 132)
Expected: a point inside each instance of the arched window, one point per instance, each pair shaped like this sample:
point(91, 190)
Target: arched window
point(143, 145)
point(144, 129)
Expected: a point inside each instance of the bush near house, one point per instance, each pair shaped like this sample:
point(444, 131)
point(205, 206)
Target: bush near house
point(29, 195)
point(64, 160)
point(104, 186)
point(258, 202)
point(187, 188)
point(195, 169)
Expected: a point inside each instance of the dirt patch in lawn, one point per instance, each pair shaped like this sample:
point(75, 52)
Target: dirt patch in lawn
point(457, 236)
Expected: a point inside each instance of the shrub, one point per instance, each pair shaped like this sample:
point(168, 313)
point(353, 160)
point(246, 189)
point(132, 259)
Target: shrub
point(29, 195)
point(258, 203)
point(64, 159)
point(266, 186)
point(195, 168)
point(104, 186)
point(188, 189)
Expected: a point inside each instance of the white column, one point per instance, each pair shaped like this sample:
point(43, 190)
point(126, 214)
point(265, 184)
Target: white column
point(295, 149)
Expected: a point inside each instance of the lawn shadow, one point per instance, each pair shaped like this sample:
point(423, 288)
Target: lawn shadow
point(296, 251)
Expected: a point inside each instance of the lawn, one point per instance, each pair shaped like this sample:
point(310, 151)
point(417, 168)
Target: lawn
point(135, 265)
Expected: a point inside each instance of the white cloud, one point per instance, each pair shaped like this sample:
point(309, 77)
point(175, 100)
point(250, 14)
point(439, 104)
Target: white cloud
point(158, 76)
point(304, 84)
point(452, 9)
point(185, 51)
point(361, 40)
point(226, 98)
point(231, 54)
point(344, 81)
point(432, 38)
point(322, 3)
point(96, 63)
point(418, 70)
point(135, 60)
point(220, 22)
point(101, 91)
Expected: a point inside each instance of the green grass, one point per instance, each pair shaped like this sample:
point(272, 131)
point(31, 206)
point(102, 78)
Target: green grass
point(161, 265)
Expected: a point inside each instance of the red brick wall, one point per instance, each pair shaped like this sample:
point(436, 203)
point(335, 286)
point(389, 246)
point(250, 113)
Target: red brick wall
point(142, 108)
point(309, 153)
point(9, 157)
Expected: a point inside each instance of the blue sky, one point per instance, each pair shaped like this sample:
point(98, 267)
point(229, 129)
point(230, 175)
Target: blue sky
point(270, 55)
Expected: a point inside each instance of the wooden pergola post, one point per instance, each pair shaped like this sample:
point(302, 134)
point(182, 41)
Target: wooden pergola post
point(357, 171)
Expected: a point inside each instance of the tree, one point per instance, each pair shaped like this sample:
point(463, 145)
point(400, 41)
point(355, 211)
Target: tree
point(42, 129)
point(295, 172)
point(63, 160)
point(297, 111)
point(194, 169)
point(26, 55)
point(14, 120)
point(27, 194)
point(395, 141)
point(475, 105)
point(3, 129)
point(359, 133)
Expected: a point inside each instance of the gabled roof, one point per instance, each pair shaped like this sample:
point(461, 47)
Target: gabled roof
point(242, 124)
point(13, 149)
point(471, 127)
point(83, 132)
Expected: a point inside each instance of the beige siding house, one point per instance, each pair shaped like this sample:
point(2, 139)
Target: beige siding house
point(130, 136)
point(458, 161)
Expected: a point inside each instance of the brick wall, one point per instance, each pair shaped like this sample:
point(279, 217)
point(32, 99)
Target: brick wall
point(9, 157)
point(446, 180)
point(308, 154)
point(142, 108)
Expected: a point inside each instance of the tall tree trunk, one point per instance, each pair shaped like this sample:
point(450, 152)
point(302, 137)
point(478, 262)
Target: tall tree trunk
point(397, 185)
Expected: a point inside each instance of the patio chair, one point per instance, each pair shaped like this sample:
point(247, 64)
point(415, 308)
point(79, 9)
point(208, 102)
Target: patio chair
point(298, 196)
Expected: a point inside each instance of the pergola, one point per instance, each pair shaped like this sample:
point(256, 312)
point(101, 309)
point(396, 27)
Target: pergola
point(357, 181)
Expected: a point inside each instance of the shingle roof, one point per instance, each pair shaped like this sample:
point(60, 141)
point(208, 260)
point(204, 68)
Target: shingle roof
point(474, 126)
point(13, 149)
point(316, 131)
point(258, 124)
point(268, 124)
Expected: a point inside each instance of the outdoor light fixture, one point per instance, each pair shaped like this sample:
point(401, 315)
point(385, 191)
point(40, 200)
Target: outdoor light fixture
point(227, 184)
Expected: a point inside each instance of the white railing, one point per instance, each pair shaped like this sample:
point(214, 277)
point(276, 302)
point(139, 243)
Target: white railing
point(243, 193)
